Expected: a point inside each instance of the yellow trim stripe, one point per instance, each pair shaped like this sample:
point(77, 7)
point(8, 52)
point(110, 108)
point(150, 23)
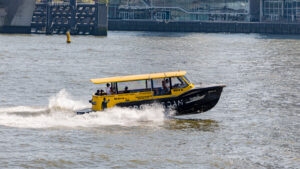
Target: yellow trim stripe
point(138, 77)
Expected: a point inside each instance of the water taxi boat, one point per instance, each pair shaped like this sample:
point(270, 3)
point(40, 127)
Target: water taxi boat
point(171, 89)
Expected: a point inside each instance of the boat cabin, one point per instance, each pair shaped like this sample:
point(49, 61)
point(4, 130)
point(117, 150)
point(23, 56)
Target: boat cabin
point(139, 88)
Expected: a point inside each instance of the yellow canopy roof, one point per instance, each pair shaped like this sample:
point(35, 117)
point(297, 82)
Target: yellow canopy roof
point(138, 77)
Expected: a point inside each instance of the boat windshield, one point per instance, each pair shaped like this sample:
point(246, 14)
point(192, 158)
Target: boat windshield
point(178, 82)
point(188, 80)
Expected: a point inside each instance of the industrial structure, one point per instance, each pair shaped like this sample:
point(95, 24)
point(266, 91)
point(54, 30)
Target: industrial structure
point(178, 10)
point(234, 16)
point(51, 17)
point(206, 10)
point(280, 11)
point(95, 17)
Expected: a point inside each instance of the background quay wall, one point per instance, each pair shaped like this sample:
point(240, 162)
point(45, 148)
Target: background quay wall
point(213, 27)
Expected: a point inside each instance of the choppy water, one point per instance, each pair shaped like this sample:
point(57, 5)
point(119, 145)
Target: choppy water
point(43, 81)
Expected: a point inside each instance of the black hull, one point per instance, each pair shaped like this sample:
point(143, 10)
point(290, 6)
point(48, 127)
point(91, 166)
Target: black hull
point(198, 100)
point(194, 101)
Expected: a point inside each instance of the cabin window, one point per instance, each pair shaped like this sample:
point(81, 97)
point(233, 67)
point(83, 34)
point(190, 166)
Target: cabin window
point(161, 86)
point(102, 88)
point(178, 82)
point(134, 86)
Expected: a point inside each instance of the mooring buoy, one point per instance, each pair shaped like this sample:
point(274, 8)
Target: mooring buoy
point(68, 37)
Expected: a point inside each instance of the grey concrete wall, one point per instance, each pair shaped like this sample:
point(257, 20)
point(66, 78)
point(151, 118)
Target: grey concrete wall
point(16, 15)
point(2, 15)
point(102, 20)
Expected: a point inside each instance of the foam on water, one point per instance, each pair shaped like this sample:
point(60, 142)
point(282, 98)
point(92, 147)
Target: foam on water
point(61, 112)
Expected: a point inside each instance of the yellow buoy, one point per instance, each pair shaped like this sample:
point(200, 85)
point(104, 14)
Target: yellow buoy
point(68, 37)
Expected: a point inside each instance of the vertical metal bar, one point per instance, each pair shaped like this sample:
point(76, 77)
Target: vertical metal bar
point(49, 17)
point(117, 89)
point(96, 14)
point(73, 22)
point(153, 92)
point(296, 17)
point(282, 10)
point(261, 6)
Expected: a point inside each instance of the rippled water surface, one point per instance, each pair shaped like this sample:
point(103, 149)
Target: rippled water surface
point(43, 81)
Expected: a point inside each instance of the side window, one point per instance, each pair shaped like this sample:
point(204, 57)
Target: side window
point(161, 86)
point(178, 82)
point(157, 83)
point(134, 86)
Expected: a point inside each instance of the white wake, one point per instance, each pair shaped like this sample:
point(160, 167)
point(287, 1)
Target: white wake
point(61, 112)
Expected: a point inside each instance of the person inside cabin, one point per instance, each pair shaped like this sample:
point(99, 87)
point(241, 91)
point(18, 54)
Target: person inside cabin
point(126, 90)
point(168, 84)
point(165, 89)
point(108, 89)
point(98, 93)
